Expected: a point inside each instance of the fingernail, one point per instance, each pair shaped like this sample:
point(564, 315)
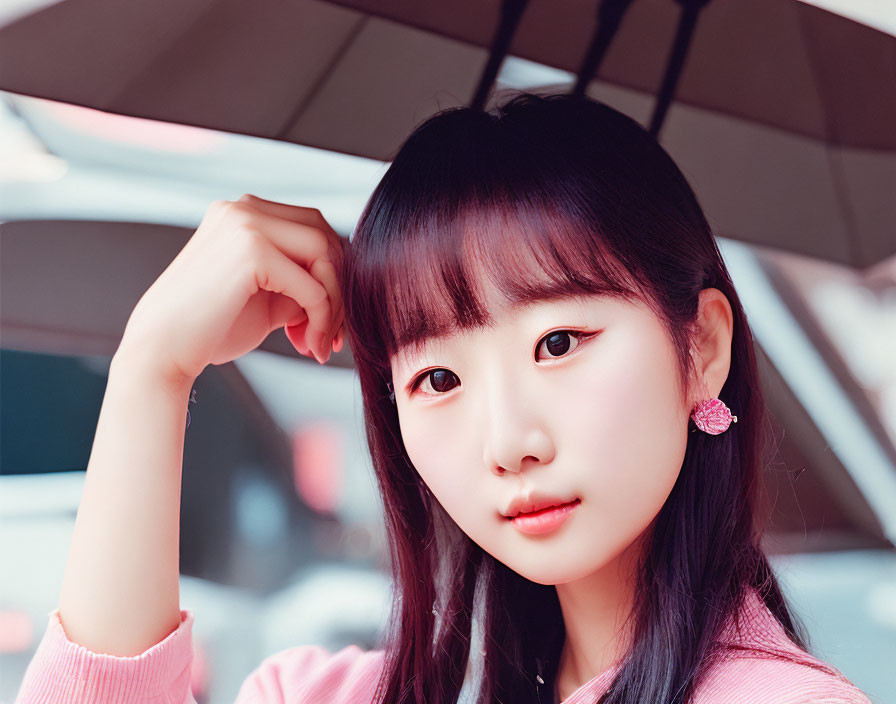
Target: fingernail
point(314, 346)
point(322, 346)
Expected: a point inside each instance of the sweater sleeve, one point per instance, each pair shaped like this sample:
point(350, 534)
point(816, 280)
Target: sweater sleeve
point(63, 672)
point(311, 674)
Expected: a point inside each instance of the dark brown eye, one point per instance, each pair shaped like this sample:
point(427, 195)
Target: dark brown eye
point(558, 343)
point(440, 381)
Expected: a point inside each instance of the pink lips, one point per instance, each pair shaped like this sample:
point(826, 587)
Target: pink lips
point(544, 521)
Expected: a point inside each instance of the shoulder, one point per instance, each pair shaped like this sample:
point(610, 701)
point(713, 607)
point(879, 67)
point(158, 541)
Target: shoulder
point(312, 674)
point(761, 665)
point(776, 680)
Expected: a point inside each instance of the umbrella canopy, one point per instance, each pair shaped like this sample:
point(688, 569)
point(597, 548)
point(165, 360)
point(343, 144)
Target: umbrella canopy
point(782, 115)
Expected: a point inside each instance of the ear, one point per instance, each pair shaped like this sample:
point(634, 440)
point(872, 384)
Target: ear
point(711, 350)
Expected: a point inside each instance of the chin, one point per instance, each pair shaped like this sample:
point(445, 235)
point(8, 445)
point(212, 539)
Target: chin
point(552, 576)
point(557, 569)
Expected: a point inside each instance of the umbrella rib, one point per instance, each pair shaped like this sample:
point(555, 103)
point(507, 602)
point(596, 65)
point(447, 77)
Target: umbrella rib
point(322, 78)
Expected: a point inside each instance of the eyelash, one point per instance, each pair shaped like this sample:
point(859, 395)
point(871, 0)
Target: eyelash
point(578, 334)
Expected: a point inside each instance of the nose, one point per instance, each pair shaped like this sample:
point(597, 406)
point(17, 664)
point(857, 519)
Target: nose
point(516, 414)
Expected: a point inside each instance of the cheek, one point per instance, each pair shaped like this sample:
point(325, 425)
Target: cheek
point(444, 464)
point(633, 436)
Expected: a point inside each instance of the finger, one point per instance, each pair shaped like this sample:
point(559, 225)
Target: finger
point(282, 275)
point(301, 215)
point(296, 335)
point(281, 224)
point(310, 217)
point(284, 311)
point(341, 325)
point(305, 244)
point(325, 272)
point(297, 213)
point(301, 243)
point(337, 342)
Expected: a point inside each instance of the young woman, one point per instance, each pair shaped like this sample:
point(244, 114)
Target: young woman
point(550, 351)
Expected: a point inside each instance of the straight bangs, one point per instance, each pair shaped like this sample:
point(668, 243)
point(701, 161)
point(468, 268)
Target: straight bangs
point(521, 226)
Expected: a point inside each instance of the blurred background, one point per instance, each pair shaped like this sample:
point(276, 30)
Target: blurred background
point(282, 539)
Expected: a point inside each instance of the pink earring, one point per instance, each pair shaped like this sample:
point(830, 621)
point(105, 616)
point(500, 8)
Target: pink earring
point(712, 416)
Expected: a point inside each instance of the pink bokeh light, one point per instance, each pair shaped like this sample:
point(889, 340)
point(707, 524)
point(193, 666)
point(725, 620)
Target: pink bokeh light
point(318, 465)
point(199, 672)
point(136, 131)
point(16, 632)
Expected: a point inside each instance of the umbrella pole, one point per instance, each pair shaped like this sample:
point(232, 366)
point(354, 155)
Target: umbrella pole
point(687, 22)
point(511, 12)
point(609, 16)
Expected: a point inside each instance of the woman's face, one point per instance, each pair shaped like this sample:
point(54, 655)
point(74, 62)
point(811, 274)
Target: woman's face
point(516, 408)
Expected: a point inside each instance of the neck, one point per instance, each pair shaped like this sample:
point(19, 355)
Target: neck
point(595, 609)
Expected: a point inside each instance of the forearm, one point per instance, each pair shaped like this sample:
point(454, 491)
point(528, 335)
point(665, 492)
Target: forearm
point(120, 591)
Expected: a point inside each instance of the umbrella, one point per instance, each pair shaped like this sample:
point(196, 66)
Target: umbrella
point(781, 115)
point(186, 63)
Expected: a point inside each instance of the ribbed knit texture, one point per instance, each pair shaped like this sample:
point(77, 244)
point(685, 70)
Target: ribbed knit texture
point(62, 672)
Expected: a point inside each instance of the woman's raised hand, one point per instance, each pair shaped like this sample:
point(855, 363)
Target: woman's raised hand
point(252, 266)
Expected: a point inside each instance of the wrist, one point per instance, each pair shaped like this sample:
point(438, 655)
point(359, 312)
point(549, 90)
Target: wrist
point(143, 362)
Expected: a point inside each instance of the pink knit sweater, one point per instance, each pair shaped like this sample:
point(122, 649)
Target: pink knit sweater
point(62, 672)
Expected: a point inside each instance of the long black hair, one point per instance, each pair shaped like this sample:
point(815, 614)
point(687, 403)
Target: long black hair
point(605, 210)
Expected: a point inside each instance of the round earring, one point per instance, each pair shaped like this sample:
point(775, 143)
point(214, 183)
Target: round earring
point(712, 416)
